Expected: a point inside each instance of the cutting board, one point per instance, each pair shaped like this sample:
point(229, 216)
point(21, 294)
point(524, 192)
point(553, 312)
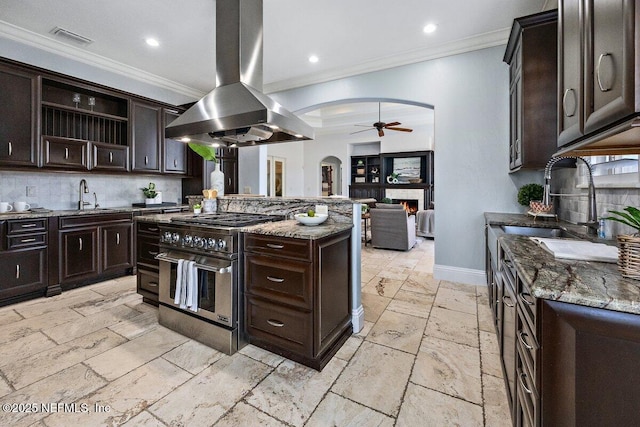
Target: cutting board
point(578, 249)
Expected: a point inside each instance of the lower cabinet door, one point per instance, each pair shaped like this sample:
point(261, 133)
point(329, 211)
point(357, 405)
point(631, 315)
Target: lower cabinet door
point(117, 247)
point(286, 327)
point(78, 254)
point(23, 272)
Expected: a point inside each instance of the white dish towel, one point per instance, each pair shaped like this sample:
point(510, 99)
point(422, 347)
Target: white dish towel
point(180, 284)
point(192, 286)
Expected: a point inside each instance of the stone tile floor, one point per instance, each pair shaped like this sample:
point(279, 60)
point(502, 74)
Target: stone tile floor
point(427, 356)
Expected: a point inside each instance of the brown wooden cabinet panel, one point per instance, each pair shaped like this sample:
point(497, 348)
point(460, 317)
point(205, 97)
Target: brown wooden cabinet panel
point(287, 282)
point(175, 152)
point(109, 157)
point(590, 370)
point(18, 113)
point(147, 247)
point(146, 137)
point(78, 251)
point(532, 56)
point(278, 246)
point(23, 271)
point(117, 247)
point(64, 153)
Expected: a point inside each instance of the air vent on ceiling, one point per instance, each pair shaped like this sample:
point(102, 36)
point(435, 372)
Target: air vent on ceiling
point(71, 36)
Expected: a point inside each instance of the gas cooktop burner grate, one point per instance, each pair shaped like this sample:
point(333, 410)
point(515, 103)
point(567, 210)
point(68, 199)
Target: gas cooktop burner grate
point(228, 219)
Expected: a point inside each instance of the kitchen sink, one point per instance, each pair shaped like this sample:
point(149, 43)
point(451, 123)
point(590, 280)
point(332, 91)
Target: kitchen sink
point(537, 231)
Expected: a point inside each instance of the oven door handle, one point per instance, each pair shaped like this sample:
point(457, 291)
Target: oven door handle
point(163, 256)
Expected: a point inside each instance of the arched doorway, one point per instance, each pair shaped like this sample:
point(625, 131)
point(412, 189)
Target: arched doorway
point(331, 176)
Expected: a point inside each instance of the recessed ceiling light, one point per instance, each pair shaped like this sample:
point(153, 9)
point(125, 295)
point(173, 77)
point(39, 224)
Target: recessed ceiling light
point(313, 59)
point(429, 28)
point(185, 139)
point(152, 42)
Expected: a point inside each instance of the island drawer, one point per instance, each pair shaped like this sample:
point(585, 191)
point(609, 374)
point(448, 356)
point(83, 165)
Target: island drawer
point(270, 245)
point(26, 225)
point(281, 280)
point(148, 281)
point(27, 240)
point(285, 327)
point(148, 227)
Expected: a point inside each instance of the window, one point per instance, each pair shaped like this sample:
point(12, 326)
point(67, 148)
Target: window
point(275, 176)
point(614, 170)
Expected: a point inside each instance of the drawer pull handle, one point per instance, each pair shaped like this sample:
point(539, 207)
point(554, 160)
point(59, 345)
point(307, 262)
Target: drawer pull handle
point(522, 383)
point(599, 68)
point(17, 271)
point(153, 229)
point(117, 238)
point(153, 253)
point(526, 298)
point(27, 240)
point(153, 284)
point(80, 242)
point(10, 148)
point(28, 225)
point(275, 323)
point(274, 246)
point(521, 336)
point(504, 300)
point(275, 279)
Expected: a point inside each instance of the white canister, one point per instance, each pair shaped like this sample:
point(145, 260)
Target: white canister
point(217, 180)
point(209, 205)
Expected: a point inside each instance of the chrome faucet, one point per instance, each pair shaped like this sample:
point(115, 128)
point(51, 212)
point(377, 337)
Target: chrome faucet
point(83, 189)
point(592, 215)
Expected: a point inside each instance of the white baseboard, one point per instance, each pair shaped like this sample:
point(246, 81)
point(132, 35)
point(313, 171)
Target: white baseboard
point(459, 275)
point(357, 319)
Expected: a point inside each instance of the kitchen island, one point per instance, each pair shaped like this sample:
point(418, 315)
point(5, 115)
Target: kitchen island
point(569, 331)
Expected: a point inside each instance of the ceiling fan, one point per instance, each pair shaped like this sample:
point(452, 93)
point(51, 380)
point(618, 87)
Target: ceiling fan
point(380, 125)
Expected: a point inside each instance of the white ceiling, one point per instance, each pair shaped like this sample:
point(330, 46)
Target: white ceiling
point(348, 36)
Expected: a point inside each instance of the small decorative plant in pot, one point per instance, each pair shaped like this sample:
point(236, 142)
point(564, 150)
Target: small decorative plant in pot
point(530, 195)
point(150, 194)
point(628, 244)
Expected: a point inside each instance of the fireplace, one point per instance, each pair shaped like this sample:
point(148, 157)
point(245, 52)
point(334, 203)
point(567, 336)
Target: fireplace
point(410, 205)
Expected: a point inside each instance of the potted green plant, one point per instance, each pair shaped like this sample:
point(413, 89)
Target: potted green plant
point(530, 192)
point(628, 244)
point(150, 194)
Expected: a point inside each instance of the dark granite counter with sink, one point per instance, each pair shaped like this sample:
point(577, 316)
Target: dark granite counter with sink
point(587, 283)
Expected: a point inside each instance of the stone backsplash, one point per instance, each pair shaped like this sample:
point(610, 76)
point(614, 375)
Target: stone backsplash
point(59, 191)
point(574, 209)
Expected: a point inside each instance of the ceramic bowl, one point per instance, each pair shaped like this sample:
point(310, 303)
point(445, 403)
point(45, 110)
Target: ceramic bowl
point(305, 219)
point(538, 207)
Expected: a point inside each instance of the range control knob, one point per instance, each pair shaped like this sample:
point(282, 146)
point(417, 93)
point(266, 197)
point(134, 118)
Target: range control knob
point(198, 242)
point(211, 244)
point(166, 237)
point(188, 240)
point(174, 238)
point(222, 244)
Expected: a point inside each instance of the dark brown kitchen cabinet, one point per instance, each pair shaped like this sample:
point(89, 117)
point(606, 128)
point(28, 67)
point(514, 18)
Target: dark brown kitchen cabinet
point(175, 152)
point(109, 157)
point(93, 247)
point(590, 373)
point(18, 111)
point(598, 96)
point(229, 166)
point(297, 295)
point(117, 247)
point(64, 153)
point(147, 247)
point(78, 254)
point(23, 259)
point(532, 58)
point(146, 136)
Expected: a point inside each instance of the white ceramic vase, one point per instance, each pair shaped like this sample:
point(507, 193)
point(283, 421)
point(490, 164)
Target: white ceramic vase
point(217, 180)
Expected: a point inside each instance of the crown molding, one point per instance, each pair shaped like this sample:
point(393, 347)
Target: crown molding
point(482, 41)
point(12, 32)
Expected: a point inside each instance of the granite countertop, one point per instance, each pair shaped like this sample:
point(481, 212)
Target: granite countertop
point(587, 283)
point(293, 229)
point(522, 220)
point(72, 212)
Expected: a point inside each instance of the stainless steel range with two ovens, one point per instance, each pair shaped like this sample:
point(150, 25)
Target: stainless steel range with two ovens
point(214, 244)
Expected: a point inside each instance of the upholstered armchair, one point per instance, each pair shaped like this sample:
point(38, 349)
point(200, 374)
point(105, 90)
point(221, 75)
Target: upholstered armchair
point(392, 227)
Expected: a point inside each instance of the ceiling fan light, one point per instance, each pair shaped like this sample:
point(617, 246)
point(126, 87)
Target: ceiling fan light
point(429, 28)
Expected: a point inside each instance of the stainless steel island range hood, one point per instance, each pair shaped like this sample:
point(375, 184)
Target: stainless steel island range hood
point(236, 111)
